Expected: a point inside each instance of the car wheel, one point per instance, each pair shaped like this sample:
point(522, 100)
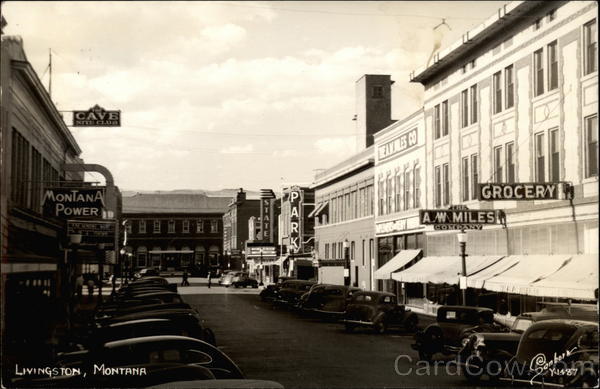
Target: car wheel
point(349, 327)
point(431, 344)
point(380, 327)
point(410, 325)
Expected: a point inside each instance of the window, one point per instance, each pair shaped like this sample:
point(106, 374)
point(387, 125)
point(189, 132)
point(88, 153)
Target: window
point(171, 227)
point(142, 227)
point(398, 193)
point(417, 185)
point(464, 101)
point(474, 175)
point(498, 164)
point(554, 154)
point(389, 194)
point(472, 63)
point(185, 227)
point(199, 226)
point(406, 189)
point(497, 92)
point(446, 184)
point(352, 251)
point(333, 253)
point(436, 121)
point(156, 228)
point(537, 24)
point(538, 76)
point(377, 91)
point(326, 250)
point(509, 86)
point(540, 157)
point(129, 227)
point(438, 187)
point(363, 252)
point(380, 195)
point(473, 104)
point(19, 169)
point(214, 226)
point(590, 40)
point(465, 178)
point(510, 162)
point(445, 120)
point(551, 15)
point(552, 66)
point(36, 180)
point(591, 151)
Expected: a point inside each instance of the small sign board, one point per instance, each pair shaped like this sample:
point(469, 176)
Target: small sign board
point(458, 226)
point(71, 203)
point(93, 231)
point(461, 217)
point(520, 191)
point(96, 117)
point(264, 251)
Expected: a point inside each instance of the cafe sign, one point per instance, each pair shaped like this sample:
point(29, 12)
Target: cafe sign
point(81, 203)
point(96, 117)
point(522, 191)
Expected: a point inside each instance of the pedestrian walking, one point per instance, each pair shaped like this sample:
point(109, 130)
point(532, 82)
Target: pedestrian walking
point(79, 286)
point(184, 280)
point(209, 279)
point(90, 286)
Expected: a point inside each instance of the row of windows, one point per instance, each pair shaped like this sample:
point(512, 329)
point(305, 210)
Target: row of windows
point(30, 173)
point(400, 191)
point(186, 226)
point(355, 204)
point(336, 251)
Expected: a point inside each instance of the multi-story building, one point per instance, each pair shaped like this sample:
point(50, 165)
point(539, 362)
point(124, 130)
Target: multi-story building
point(515, 101)
point(235, 221)
point(171, 231)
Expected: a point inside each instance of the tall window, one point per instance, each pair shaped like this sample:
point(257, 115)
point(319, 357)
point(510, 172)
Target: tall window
point(446, 184)
point(497, 92)
point(509, 86)
point(171, 227)
point(380, 196)
point(417, 187)
point(389, 194)
point(364, 254)
point(199, 226)
point(36, 180)
point(465, 179)
point(473, 104)
point(436, 121)
point(438, 187)
point(19, 169)
point(445, 121)
point(214, 226)
point(142, 227)
point(406, 189)
point(591, 129)
point(185, 227)
point(464, 101)
point(538, 76)
point(498, 164)
point(510, 162)
point(156, 227)
point(377, 91)
point(474, 176)
point(552, 66)
point(540, 157)
point(398, 192)
point(590, 40)
point(554, 148)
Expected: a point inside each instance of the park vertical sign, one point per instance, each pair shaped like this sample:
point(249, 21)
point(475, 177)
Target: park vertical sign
point(295, 199)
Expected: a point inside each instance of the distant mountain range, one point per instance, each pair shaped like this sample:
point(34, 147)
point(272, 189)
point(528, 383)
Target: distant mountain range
point(208, 193)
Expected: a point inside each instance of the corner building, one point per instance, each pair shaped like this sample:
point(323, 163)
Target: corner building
point(516, 101)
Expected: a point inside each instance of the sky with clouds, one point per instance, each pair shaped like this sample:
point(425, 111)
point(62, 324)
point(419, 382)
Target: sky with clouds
point(218, 94)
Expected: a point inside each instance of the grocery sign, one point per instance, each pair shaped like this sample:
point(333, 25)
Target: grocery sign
point(522, 191)
point(96, 117)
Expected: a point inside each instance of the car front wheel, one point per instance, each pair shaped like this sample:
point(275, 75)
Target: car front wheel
point(380, 327)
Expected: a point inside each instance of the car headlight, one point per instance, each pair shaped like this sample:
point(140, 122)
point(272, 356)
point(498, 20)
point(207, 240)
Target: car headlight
point(465, 341)
point(479, 341)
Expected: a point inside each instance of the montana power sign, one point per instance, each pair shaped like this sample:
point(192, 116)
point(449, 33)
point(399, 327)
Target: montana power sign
point(86, 203)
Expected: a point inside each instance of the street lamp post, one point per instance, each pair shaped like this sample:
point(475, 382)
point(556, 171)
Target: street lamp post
point(462, 240)
point(346, 246)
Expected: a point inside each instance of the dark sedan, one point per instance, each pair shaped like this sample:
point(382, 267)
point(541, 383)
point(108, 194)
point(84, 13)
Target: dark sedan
point(378, 310)
point(290, 292)
point(328, 300)
point(269, 292)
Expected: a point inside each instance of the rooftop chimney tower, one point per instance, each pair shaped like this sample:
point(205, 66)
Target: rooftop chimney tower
point(373, 107)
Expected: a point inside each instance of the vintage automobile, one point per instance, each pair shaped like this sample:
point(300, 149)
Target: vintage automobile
point(230, 278)
point(486, 353)
point(103, 313)
point(558, 353)
point(290, 292)
point(268, 293)
point(244, 280)
point(453, 324)
point(378, 310)
point(224, 275)
point(327, 300)
point(162, 295)
point(146, 273)
point(158, 313)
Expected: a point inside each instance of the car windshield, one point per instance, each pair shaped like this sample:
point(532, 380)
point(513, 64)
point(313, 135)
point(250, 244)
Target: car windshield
point(363, 298)
point(520, 325)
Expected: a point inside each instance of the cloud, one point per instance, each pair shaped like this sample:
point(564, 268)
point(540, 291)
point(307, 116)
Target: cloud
point(338, 146)
point(238, 149)
point(288, 153)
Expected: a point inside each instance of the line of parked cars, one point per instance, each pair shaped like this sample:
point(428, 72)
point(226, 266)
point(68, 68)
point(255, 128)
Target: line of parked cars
point(351, 306)
point(557, 346)
point(146, 336)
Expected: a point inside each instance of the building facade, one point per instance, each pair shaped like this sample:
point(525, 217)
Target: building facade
point(174, 231)
point(235, 222)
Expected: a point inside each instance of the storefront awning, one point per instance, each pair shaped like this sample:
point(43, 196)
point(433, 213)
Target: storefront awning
point(318, 209)
point(396, 263)
point(444, 270)
point(577, 279)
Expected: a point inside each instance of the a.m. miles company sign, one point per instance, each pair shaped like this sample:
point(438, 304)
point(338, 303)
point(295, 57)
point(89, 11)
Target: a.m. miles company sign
point(74, 203)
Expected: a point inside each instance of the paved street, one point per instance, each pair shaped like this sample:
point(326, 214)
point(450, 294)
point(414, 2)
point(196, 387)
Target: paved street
point(296, 351)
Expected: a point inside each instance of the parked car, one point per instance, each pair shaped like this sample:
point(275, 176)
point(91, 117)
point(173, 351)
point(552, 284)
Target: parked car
point(454, 323)
point(230, 278)
point(226, 275)
point(378, 310)
point(328, 300)
point(163, 295)
point(290, 292)
point(268, 293)
point(558, 353)
point(244, 280)
point(146, 273)
point(150, 314)
point(486, 353)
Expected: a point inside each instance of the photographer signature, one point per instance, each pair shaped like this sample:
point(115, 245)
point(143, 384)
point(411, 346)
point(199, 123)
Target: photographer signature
point(541, 366)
